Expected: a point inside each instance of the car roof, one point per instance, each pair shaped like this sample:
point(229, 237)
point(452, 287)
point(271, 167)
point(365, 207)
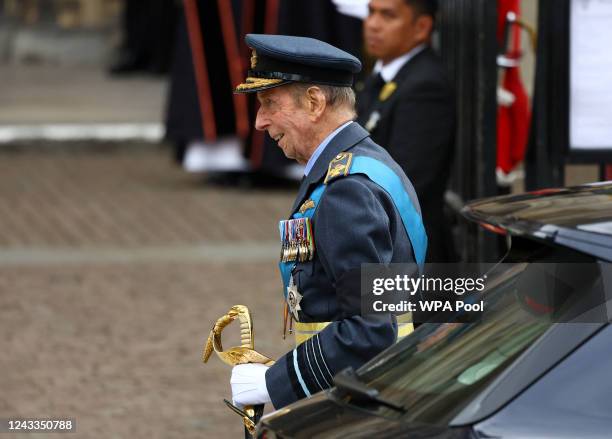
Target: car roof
point(578, 217)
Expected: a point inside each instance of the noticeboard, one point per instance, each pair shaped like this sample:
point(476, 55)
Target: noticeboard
point(590, 118)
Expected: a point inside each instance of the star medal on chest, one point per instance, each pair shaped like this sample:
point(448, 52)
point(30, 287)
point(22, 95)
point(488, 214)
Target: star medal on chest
point(293, 299)
point(297, 241)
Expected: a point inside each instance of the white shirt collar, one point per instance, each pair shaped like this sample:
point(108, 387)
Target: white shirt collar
point(389, 70)
point(315, 155)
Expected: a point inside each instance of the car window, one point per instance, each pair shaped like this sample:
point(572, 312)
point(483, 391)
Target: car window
point(441, 367)
point(572, 400)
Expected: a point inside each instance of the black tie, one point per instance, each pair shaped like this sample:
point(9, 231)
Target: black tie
point(369, 101)
point(377, 86)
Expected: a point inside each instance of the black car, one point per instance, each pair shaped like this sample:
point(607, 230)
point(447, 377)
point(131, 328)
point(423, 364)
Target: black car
point(538, 364)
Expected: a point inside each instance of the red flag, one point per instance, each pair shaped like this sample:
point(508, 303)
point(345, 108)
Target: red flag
point(513, 117)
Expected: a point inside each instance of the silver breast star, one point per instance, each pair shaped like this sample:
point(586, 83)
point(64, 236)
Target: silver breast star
point(293, 299)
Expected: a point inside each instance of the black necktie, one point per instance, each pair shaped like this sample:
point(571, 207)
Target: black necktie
point(369, 100)
point(377, 85)
point(371, 117)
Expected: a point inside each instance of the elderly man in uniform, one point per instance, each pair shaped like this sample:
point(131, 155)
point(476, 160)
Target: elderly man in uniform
point(355, 205)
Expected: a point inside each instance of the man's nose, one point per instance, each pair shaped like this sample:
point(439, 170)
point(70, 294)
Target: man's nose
point(261, 122)
point(371, 23)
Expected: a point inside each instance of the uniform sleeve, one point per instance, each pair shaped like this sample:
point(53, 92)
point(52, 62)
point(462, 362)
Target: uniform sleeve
point(352, 226)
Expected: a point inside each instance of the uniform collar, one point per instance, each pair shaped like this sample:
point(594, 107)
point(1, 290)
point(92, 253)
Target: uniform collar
point(347, 137)
point(321, 147)
point(389, 70)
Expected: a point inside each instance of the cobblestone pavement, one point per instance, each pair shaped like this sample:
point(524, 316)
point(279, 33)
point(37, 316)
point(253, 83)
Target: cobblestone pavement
point(113, 266)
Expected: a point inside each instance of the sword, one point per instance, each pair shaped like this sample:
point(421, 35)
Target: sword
point(245, 353)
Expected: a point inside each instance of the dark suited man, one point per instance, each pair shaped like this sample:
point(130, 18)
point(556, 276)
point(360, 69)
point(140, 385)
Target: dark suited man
point(408, 106)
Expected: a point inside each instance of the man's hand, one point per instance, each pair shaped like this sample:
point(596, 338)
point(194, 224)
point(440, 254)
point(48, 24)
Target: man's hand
point(249, 384)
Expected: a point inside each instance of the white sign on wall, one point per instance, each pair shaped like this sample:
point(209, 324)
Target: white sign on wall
point(591, 75)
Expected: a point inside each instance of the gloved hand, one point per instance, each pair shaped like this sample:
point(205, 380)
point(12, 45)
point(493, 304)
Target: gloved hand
point(249, 384)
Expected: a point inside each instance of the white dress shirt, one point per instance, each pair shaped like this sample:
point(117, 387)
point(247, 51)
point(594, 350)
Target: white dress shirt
point(389, 70)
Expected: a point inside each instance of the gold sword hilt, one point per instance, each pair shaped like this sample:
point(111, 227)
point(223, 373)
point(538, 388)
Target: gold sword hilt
point(243, 354)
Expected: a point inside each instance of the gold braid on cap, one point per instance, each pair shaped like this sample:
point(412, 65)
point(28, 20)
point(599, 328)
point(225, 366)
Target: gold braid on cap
point(252, 82)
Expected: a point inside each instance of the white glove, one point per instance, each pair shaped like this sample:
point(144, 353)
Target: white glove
point(249, 384)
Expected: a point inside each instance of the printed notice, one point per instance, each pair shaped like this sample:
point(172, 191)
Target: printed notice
point(591, 74)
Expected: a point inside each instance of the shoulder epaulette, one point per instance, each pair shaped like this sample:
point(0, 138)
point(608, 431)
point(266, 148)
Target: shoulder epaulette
point(339, 166)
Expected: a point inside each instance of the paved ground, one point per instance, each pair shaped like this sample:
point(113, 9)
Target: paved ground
point(113, 266)
point(32, 94)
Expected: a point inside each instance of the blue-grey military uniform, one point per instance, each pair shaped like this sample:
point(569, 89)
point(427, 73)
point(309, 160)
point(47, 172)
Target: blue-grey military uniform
point(355, 219)
point(355, 222)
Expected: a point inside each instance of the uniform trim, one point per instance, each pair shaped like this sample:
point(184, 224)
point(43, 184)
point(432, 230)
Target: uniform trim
point(271, 20)
point(305, 361)
point(230, 42)
point(196, 45)
point(312, 371)
point(331, 375)
point(314, 355)
point(315, 372)
point(291, 373)
point(303, 331)
point(298, 374)
point(252, 82)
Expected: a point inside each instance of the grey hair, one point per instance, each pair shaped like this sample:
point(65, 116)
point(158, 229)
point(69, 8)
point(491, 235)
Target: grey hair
point(336, 97)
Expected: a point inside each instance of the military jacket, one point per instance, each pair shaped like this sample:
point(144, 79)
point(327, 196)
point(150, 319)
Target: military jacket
point(355, 222)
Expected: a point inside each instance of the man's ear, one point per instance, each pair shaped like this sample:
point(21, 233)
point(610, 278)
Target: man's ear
point(424, 27)
point(315, 101)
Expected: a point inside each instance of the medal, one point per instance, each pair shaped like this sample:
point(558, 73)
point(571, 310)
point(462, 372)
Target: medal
point(293, 299)
point(297, 245)
point(297, 242)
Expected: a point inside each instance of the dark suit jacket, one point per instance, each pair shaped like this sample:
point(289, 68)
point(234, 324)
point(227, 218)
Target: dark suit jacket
point(355, 222)
point(417, 127)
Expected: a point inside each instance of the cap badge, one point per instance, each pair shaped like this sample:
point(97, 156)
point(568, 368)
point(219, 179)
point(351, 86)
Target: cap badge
point(253, 59)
